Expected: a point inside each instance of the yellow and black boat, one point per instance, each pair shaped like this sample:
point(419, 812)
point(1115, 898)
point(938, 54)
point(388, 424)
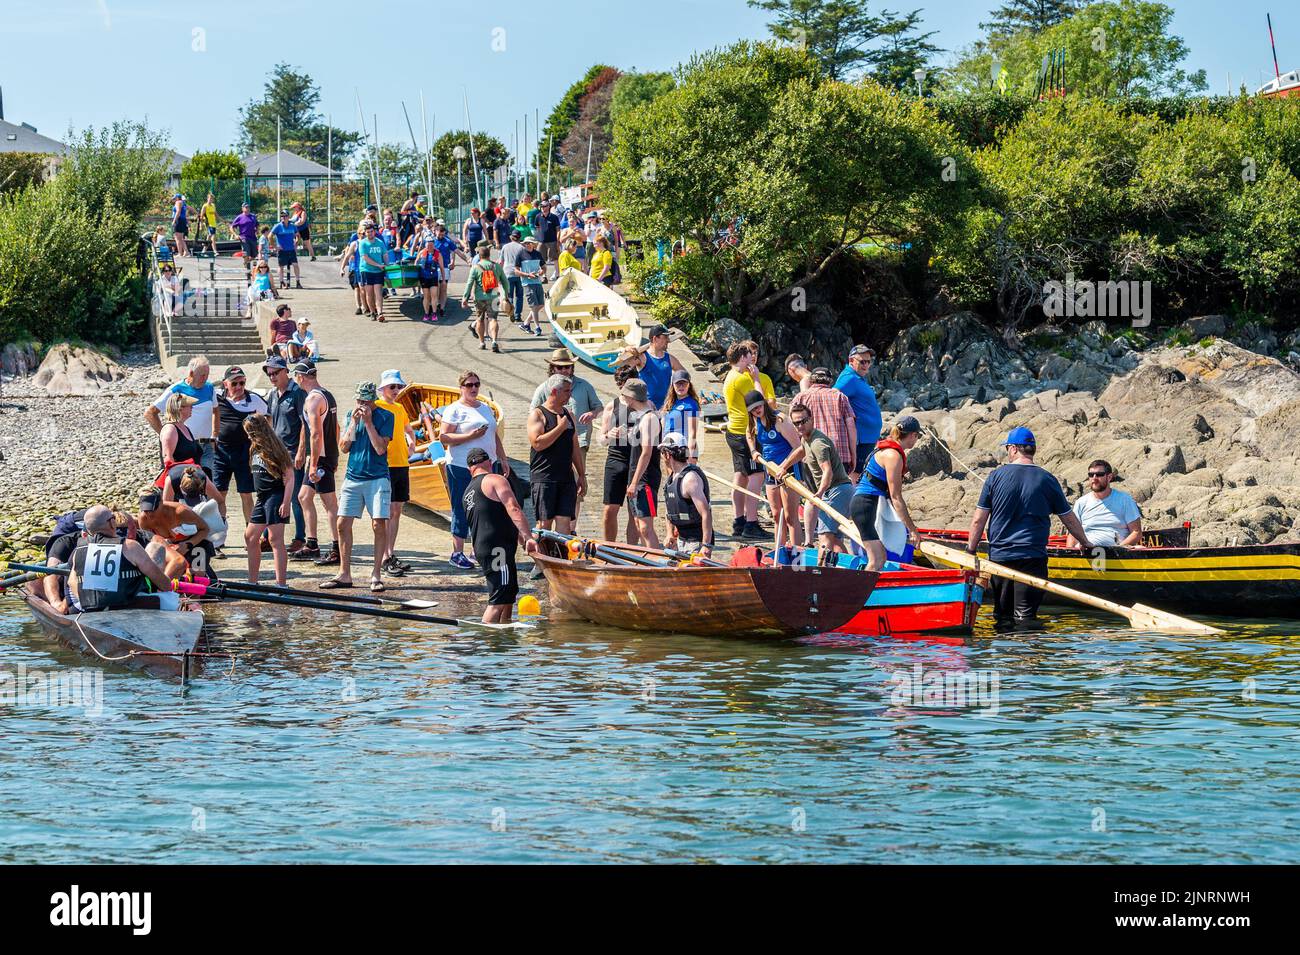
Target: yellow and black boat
point(1251, 580)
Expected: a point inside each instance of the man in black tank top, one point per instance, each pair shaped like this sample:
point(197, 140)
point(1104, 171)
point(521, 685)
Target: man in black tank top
point(235, 403)
point(318, 456)
point(686, 499)
point(643, 485)
point(109, 572)
point(496, 523)
point(557, 469)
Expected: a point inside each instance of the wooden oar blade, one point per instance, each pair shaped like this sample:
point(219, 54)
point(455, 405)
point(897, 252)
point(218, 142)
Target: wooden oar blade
point(1152, 618)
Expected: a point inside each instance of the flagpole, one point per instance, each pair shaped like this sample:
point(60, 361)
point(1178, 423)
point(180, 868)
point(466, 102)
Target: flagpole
point(473, 154)
point(329, 180)
point(278, 206)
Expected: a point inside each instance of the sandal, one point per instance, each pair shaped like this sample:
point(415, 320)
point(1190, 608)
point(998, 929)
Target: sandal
point(376, 586)
point(336, 584)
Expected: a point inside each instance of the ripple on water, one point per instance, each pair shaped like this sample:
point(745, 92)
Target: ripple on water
point(347, 742)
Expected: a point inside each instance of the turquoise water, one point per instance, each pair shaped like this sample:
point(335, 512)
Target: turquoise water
point(384, 743)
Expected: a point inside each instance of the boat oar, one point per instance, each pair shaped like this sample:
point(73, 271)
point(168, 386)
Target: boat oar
point(36, 568)
point(1139, 616)
point(289, 600)
point(16, 580)
point(604, 552)
point(736, 487)
point(410, 604)
point(628, 553)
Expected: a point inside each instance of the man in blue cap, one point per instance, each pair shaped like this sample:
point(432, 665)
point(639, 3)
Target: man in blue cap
point(1017, 504)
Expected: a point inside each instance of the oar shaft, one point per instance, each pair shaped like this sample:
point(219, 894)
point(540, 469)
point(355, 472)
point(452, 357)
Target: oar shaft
point(289, 600)
point(736, 487)
point(290, 591)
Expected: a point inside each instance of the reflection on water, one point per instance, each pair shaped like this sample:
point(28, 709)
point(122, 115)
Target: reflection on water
point(353, 740)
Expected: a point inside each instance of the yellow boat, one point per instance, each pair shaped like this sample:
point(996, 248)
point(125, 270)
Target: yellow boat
point(429, 478)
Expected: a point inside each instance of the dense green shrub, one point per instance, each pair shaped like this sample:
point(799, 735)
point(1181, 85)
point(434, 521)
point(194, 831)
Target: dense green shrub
point(19, 170)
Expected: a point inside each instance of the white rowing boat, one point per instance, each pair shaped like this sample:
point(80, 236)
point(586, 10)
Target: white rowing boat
point(593, 321)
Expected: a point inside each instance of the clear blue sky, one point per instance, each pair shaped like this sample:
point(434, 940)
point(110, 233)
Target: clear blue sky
point(89, 62)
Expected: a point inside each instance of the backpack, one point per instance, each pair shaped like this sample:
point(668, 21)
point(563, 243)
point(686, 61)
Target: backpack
point(615, 273)
point(488, 280)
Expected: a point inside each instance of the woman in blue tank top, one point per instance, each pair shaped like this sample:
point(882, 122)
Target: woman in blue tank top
point(772, 438)
point(882, 479)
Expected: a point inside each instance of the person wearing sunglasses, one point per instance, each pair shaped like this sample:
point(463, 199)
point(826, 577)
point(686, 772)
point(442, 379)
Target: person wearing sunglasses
point(1110, 517)
point(467, 424)
point(827, 476)
point(1016, 504)
point(235, 403)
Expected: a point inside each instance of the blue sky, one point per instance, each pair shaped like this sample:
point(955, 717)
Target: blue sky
point(188, 66)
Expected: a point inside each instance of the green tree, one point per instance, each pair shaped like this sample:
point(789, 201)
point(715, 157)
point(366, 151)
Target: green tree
point(1113, 49)
point(741, 144)
point(291, 97)
point(835, 32)
point(399, 163)
point(904, 51)
point(490, 152)
point(1034, 16)
point(122, 167)
point(18, 170)
point(634, 90)
point(216, 164)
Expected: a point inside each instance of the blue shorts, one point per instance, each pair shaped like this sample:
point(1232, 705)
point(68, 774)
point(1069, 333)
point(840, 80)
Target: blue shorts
point(838, 497)
point(374, 496)
point(372, 278)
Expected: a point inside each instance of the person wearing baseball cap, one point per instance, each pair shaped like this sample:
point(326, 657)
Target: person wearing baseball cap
point(496, 524)
point(852, 381)
point(284, 407)
point(686, 499)
point(485, 284)
point(657, 366)
point(366, 487)
point(286, 244)
point(643, 431)
point(1016, 504)
point(877, 508)
point(318, 456)
point(233, 449)
point(391, 384)
point(531, 270)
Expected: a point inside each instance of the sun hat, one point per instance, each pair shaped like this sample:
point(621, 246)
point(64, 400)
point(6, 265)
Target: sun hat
point(561, 356)
point(275, 364)
point(366, 391)
point(391, 377)
point(635, 389)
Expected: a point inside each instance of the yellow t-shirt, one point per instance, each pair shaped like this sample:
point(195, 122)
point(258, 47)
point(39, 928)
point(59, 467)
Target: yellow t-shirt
point(398, 454)
point(522, 211)
point(569, 261)
point(734, 388)
point(209, 211)
point(601, 263)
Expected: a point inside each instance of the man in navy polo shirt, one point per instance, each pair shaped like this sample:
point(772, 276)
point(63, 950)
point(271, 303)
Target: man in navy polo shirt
point(1017, 504)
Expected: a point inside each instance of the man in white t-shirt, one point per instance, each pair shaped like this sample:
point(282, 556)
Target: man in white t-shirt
point(197, 386)
point(1110, 518)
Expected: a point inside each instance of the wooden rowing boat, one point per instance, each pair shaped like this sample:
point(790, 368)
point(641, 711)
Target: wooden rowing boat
point(593, 321)
point(706, 601)
point(158, 642)
point(1255, 580)
point(429, 478)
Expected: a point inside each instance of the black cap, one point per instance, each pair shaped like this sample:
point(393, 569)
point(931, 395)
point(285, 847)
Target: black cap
point(476, 457)
point(908, 425)
point(657, 331)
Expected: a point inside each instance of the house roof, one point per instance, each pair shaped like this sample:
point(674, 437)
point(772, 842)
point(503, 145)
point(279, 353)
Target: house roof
point(175, 161)
point(22, 139)
point(291, 164)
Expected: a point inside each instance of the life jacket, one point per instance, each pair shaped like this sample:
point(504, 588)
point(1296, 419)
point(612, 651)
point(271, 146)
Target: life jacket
point(110, 580)
point(681, 511)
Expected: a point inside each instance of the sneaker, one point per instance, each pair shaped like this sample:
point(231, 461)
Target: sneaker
point(737, 526)
point(329, 560)
point(307, 552)
point(297, 284)
point(357, 312)
point(755, 531)
point(473, 331)
point(433, 319)
point(496, 348)
point(392, 568)
point(461, 561)
point(296, 545)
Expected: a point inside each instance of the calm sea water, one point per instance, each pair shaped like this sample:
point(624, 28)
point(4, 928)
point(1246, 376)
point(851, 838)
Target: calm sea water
point(376, 742)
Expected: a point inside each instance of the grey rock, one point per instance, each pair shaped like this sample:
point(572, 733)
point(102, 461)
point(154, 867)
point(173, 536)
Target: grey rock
point(1207, 326)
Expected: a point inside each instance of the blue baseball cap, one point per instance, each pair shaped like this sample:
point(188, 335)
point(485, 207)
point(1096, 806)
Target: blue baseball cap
point(1021, 436)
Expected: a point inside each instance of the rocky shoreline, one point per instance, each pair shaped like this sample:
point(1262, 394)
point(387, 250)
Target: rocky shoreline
point(57, 451)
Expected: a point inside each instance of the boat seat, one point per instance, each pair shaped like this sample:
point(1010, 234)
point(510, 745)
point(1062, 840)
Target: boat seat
point(608, 323)
point(585, 337)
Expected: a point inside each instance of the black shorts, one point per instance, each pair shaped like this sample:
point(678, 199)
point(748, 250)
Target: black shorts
point(180, 228)
point(533, 294)
point(741, 462)
point(249, 247)
point(617, 471)
point(372, 278)
point(500, 573)
point(304, 233)
point(352, 279)
point(862, 452)
point(644, 502)
point(554, 499)
point(862, 511)
point(225, 467)
point(267, 508)
point(428, 283)
point(326, 483)
point(400, 481)
point(286, 257)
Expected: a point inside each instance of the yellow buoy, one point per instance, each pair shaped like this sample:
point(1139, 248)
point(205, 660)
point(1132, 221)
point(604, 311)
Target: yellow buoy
point(528, 606)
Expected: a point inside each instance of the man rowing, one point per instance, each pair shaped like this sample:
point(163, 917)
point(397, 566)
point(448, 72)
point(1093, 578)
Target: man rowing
point(1110, 517)
point(1017, 504)
point(110, 573)
point(686, 499)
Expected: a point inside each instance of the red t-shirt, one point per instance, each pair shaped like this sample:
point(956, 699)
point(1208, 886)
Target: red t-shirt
point(282, 329)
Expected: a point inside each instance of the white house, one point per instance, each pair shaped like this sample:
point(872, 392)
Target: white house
point(295, 172)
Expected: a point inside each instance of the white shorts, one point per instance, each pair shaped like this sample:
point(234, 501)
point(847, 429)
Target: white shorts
point(358, 496)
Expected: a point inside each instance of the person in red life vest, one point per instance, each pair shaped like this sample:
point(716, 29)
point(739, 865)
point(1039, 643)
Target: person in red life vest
point(881, 487)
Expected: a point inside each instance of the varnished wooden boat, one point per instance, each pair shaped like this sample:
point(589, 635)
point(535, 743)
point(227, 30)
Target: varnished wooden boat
point(158, 642)
point(594, 322)
point(707, 601)
point(429, 478)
